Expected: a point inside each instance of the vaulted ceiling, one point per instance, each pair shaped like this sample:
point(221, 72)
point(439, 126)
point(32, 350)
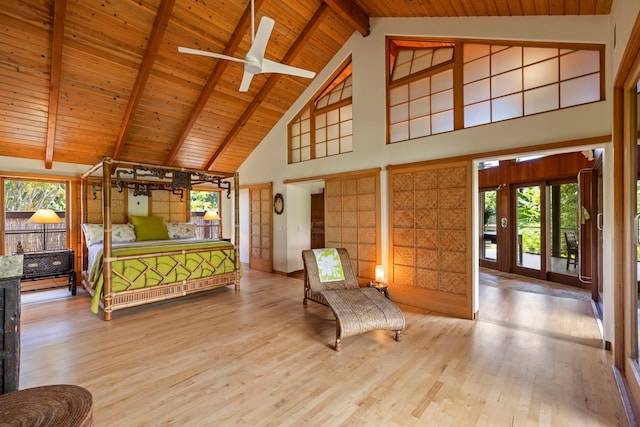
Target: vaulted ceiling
point(85, 79)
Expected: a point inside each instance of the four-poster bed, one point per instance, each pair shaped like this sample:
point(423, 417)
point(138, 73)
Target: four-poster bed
point(137, 260)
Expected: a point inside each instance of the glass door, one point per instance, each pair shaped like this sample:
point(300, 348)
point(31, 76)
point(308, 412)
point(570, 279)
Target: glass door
point(530, 242)
point(488, 227)
point(564, 230)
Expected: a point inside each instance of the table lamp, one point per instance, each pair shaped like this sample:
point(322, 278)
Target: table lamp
point(44, 217)
point(379, 274)
point(212, 216)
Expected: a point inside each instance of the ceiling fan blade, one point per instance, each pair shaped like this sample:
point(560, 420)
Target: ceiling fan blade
point(246, 81)
point(276, 67)
point(262, 38)
point(211, 54)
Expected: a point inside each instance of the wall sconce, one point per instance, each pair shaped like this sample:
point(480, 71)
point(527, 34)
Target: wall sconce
point(44, 217)
point(213, 216)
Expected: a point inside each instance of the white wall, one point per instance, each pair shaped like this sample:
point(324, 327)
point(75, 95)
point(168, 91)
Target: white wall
point(269, 161)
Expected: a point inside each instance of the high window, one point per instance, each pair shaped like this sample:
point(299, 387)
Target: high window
point(436, 86)
point(325, 126)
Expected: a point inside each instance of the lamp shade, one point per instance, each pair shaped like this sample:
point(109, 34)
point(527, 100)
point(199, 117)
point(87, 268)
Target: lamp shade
point(45, 216)
point(379, 273)
point(211, 216)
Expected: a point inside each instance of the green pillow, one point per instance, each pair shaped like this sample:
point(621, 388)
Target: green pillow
point(150, 228)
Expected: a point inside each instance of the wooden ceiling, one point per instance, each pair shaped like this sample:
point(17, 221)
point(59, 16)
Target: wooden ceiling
point(84, 79)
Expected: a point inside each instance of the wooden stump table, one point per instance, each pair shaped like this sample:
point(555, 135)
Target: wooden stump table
point(52, 405)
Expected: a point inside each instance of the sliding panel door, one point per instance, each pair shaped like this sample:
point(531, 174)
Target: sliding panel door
point(431, 237)
point(353, 219)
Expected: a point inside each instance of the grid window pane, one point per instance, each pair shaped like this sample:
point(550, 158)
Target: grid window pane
point(420, 107)
point(540, 74)
point(305, 154)
point(399, 132)
point(506, 83)
point(579, 63)
point(506, 60)
point(477, 114)
point(399, 113)
point(536, 54)
point(333, 117)
point(442, 101)
point(420, 127)
point(333, 147)
point(346, 128)
point(442, 81)
point(346, 144)
point(541, 99)
point(580, 91)
point(474, 51)
point(419, 88)
point(476, 70)
point(507, 107)
point(476, 92)
point(321, 150)
point(398, 95)
point(442, 122)
point(346, 112)
point(333, 131)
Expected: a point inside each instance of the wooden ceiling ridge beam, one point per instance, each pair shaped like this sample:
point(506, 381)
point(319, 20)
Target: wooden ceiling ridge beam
point(59, 11)
point(213, 80)
point(352, 13)
point(300, 42)
point(150, 54)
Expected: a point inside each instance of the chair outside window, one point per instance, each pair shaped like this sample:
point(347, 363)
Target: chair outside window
point(572, 248)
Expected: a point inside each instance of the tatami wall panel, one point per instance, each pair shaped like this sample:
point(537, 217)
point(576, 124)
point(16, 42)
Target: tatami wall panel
point(431, 213)
point(353, 219)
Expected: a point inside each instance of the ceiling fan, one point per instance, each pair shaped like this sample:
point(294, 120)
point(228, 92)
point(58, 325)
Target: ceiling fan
point(254, 61)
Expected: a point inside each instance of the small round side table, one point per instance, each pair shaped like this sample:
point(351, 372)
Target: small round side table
point(381, 287)
point(51, 405)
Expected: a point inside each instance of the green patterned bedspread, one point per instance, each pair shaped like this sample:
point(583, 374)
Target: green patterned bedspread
point(191, 259)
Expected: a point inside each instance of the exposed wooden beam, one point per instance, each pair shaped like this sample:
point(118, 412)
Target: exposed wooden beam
point(300, 42)
point(157, 33)
point(351, 12)
point(59, 11)
point(212, 82)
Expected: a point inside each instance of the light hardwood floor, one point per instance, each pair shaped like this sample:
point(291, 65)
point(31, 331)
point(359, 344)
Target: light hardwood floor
point(258, 357)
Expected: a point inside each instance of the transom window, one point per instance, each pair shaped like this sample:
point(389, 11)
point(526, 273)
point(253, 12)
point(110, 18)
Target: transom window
point(325, 126)
point(498, 82)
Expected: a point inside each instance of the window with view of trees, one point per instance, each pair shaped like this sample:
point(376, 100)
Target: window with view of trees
point(202, 202)
point(440, 86)
point(325, 126)
point(21, 199)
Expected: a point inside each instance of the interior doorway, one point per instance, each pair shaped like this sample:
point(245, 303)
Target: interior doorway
point(535, 216)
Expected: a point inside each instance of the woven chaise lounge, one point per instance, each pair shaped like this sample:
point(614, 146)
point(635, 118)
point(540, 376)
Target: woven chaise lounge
point(357, 310)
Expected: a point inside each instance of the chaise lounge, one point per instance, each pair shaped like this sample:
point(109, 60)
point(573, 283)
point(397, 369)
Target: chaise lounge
point(330, 280)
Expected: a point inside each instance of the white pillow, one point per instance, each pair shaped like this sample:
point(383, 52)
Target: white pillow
point(93, 233)
point(120, 233)
point(181, 230)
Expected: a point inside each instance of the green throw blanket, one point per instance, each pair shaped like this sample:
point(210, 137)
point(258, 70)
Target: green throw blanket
point(329, 265)
point(209, 258)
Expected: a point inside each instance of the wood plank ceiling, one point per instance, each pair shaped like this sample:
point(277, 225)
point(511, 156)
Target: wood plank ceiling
point(81, 80)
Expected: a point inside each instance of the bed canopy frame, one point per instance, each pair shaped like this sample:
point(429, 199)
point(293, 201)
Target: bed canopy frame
point(143, 179)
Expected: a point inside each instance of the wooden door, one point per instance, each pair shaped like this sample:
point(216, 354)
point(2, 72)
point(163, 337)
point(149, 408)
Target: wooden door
point(261, 238)
point(431, 237)
point(317, 220)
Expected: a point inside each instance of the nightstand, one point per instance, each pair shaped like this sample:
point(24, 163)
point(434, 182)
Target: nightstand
point(50, 265)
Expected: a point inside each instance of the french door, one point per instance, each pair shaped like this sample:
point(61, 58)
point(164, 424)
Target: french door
point(529, 230)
